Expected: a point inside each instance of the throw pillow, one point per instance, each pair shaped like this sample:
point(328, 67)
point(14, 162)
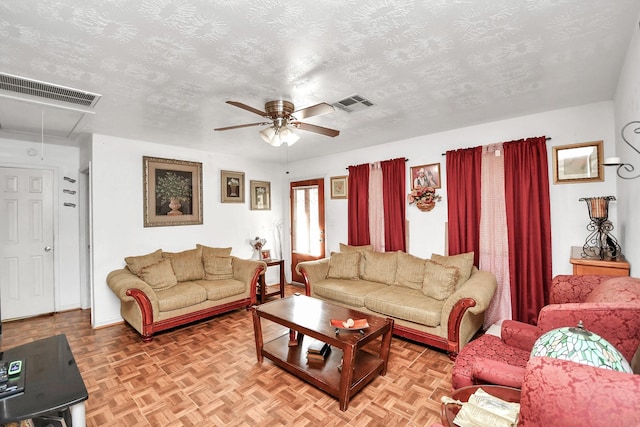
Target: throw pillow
point(344, 265)
point(464, 262)
point(187, 265)
point(218, 267)
point(410, 272)
point(159, 275)
point(439, 280)
point(135, 263)
point(380, 267)
point(209, 251)
point(360, 249)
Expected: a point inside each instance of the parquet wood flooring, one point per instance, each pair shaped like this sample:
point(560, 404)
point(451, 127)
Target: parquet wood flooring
point(206, 374)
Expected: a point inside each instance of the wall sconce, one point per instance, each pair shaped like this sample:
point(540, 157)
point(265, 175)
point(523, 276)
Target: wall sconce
point(615, 161)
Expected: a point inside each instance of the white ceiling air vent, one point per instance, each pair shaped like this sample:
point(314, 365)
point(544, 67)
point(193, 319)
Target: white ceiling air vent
point(354, 103)
point(40, 89)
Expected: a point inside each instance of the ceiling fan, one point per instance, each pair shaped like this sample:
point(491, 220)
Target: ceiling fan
point(283, 119)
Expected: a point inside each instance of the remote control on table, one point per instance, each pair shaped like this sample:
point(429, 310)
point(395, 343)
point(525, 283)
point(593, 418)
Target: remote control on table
point(4, 372)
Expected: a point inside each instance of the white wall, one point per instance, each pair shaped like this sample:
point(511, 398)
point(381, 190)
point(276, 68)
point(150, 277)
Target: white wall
point(586, 123)
point(627, 109)
point(117, 216)
point(63, 161)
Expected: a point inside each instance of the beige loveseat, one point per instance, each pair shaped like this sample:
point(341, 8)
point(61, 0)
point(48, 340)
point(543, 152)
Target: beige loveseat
point(438, 302)
point(162, 290)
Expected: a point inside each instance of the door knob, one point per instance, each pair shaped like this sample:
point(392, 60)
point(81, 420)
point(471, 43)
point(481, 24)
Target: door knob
point(47, 248)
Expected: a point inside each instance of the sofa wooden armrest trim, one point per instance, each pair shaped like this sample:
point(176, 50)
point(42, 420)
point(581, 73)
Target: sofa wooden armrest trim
point(147, 312)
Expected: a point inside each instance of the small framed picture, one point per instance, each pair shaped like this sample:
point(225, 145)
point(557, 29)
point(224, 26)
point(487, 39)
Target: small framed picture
point(339, 187)
point(232, 187)
point(578, 163)
point(265, 254)
point(260, 195)
point(425, 176)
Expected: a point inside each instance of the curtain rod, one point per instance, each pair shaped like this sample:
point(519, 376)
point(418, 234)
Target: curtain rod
point(548, 138)
point(406, 160)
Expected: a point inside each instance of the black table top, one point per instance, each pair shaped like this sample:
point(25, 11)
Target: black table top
point(52, 379)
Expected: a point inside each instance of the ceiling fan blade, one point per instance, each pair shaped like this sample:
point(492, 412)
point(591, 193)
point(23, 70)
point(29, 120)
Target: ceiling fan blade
point(317, 129)
point(248, 108)
point(314, 110)
point(244, 126)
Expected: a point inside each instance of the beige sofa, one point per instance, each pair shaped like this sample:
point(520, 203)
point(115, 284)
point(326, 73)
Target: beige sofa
point(438, 302)
point(162, 290)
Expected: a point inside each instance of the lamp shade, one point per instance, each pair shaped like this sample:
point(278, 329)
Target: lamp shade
point(581, 346)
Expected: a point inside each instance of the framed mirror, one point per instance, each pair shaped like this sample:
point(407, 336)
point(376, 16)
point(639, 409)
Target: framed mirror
point(578, 163)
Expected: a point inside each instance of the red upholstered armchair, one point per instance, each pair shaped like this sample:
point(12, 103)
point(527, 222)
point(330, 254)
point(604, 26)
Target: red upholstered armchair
point(563, 393)
point(609, 307)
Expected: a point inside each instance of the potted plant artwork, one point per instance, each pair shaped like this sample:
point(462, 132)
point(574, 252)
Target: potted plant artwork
point(175, 189)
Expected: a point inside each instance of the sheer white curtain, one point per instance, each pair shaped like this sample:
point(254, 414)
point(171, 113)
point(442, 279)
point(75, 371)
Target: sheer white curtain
point(376, 207)
point(494, 248)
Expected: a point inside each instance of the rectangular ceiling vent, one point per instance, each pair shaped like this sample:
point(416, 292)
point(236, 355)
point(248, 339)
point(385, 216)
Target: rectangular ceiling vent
point(40, 89)
point(354, 103)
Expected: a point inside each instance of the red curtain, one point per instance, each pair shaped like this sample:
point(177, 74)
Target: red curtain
point(464, 168)
point(358, 208)
point(393, 193)
point(528, 225)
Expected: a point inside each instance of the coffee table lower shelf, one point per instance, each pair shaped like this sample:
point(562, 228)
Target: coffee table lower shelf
point(326, 376)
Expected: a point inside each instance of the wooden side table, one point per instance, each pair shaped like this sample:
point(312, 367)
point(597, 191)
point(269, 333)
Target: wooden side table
point(448, 412)
point(595, 265)
point(263, 288)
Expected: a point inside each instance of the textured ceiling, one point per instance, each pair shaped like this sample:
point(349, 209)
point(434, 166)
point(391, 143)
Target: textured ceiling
point(165, 68)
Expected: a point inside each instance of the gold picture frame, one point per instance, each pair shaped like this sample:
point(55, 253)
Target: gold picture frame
point(426, 176)
point(172, 192)
point(260, 195)
point(578, 163)
point(231, 187)
point(339, 187)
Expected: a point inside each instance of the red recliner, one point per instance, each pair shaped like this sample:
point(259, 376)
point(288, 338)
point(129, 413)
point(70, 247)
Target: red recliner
point(608, 306)
point(563, 393)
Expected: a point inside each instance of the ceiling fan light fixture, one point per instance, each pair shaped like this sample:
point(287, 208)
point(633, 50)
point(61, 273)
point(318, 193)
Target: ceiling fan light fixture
point(289, 136)
point(267, 134)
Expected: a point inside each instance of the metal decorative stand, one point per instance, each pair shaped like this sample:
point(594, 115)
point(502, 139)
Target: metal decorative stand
point(600, 242)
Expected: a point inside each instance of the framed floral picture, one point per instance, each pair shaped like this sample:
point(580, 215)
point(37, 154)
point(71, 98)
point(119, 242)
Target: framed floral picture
point(260, 195)
point(339, 187)
point(231, 187)
point(172, 192)
point(425, 176)
point(265, 254)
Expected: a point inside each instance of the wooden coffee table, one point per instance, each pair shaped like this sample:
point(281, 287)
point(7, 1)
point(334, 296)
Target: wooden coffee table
point(310, 317)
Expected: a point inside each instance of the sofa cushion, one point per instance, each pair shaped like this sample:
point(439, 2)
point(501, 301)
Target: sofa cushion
point(380, 267)
point(439, 280)
point(217, 267)
point(350, 292)
point(360, 249)
point(159, 275)
point(405, 303)
point(187, 265)
point(618, 289)
point(135, 263)
point(222, 288)
point(209, 251)
point(344, 265)
point(410, 272)
point(182, 295)
point(464, 263)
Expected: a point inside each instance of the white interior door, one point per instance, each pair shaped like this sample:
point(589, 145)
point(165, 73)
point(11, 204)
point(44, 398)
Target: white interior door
point(26, 242)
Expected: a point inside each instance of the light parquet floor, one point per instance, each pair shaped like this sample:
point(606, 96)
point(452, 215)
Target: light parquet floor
point(206, 374)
